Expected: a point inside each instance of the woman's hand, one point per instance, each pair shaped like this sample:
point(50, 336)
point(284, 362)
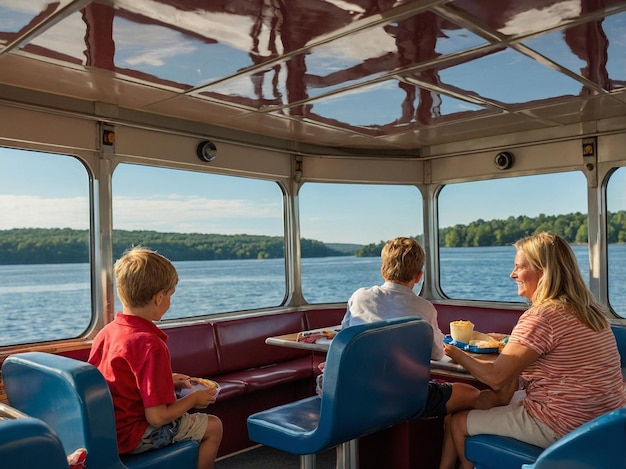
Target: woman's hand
point(453, 352)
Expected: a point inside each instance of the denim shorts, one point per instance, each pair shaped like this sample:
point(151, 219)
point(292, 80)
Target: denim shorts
point(187, 427)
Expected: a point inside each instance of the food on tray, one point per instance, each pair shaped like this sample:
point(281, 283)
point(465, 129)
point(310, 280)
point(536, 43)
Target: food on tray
point(482, 340)
point(480, 343)
point(485, 343)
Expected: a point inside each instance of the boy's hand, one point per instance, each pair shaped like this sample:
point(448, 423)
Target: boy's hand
point(181, 381)
point(204, 397)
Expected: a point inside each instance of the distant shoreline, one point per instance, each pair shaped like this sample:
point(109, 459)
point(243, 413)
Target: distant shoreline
point(29, 246)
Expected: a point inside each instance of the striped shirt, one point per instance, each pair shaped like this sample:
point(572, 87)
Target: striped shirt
point(578, 375)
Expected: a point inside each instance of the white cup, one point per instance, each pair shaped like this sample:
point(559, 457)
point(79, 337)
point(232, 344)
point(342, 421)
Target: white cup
point(461, 331)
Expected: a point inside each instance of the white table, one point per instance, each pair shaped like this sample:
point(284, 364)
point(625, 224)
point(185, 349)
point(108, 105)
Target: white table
point(321, 345)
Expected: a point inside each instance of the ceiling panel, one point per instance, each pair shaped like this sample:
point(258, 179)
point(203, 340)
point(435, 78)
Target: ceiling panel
point(362, 73)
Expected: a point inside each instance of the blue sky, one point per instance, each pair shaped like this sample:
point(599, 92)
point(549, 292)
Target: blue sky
point(37, 190)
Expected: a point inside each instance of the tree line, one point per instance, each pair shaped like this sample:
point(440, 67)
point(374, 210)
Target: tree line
point(572, 227)
point(65, 245)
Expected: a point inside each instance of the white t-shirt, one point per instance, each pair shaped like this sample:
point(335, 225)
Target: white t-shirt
point(392, 300)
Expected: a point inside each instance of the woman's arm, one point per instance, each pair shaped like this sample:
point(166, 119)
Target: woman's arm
point(513, 359)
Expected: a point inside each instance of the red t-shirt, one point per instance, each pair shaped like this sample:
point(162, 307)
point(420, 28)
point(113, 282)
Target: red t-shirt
point(132, 355)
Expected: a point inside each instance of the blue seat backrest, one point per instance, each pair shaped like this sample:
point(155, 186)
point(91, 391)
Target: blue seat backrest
point(69, 395)
point(598, 444)
point(28, 443)
point(376, 375)
point(619, 330)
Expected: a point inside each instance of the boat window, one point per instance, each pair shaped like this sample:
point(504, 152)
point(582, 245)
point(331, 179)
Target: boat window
point(224, 235)
point(45, 293)
point(616, 238)
point(342, 230)
point(479, 222)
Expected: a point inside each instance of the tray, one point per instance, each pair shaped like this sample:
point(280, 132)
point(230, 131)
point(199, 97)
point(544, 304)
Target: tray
point(467, 347)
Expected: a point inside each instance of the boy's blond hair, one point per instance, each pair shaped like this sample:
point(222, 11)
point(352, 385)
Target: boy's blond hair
point(402, 259)
point(140, 274)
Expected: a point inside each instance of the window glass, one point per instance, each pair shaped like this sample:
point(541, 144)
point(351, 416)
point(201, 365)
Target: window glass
point(224, 235)
point(480, 220)
point(616, 233)
point(45, 293)
point(343, 228)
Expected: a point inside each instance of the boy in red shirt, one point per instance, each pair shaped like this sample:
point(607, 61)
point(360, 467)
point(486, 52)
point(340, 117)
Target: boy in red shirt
point(132, 355)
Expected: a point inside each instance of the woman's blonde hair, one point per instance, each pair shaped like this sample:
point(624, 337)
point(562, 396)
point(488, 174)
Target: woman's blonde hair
point(140, 274)
point(402, 259)
point(561, 282)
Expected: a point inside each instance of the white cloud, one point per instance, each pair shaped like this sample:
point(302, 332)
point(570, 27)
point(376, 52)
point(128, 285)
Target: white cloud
point(24, 211)
point(171, 214)
point(536, 19)
point(194, 214)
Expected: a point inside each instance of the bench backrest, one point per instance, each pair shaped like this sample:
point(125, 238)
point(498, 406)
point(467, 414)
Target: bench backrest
point(376, 375)
point(222, 346)
point(485, 319)
point(241, 342)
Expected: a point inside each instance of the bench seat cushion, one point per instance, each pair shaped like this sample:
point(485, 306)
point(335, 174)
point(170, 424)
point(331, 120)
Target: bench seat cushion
point(228, 389)
point(268, 376)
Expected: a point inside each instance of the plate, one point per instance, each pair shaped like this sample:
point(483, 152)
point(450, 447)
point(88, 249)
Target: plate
point(199, 383)
point(467, 347)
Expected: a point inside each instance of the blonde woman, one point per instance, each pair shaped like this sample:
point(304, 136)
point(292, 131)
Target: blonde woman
point(562, 352)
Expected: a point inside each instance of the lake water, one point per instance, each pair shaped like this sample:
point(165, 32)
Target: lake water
point(51, 301)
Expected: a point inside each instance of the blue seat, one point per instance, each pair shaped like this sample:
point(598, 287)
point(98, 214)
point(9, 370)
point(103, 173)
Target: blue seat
point(74, 399)
point(376, 376)
point(500, 452)
point(28, 443)
point(598, 444)
point(619, 331)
